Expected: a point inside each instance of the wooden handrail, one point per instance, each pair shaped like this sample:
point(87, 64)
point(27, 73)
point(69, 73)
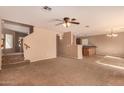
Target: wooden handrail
point(27, 46)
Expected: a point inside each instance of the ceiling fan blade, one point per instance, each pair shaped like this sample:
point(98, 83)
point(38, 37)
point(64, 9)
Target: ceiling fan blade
point(59, 24)
point(73, 19)
point(75, 23)
point(57, 20)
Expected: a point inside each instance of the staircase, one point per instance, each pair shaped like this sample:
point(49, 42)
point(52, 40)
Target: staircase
point(13, 60)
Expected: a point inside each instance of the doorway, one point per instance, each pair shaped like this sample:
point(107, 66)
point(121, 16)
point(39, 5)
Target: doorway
point(8, 43)
point(12, 42)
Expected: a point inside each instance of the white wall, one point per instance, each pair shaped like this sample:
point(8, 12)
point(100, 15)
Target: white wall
point(79, 52)
point(42, 45)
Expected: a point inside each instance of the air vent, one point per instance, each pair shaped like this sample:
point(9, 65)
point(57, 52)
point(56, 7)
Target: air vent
point(47, 8)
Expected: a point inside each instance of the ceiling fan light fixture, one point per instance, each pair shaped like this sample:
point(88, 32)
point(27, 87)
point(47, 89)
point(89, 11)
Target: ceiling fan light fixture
point(66, 22)
point(66, 25)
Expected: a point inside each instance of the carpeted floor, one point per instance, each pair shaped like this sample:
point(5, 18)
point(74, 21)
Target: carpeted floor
point(63, 71)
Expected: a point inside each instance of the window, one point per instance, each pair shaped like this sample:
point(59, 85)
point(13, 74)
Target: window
point(8, 41)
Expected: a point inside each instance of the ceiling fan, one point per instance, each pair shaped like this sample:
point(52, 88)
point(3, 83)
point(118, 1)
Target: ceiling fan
point(66, 22)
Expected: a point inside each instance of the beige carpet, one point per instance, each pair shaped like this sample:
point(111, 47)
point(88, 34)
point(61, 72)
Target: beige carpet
point(63, 71)
point(112, 61)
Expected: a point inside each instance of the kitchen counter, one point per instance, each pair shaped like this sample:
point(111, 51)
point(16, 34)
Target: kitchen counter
point(89, 50)
point(89, 46)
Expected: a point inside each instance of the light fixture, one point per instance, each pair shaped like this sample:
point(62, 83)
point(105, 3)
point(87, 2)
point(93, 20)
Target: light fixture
point(66, 24)
point(112, 34)
point(61, 36)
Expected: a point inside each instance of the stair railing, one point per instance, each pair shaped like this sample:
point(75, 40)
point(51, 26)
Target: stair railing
point(27, 46)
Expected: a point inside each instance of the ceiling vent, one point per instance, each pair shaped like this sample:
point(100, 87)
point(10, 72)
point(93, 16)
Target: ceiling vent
point(47, 8)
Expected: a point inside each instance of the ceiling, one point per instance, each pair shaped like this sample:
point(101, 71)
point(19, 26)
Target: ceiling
point(100, 19)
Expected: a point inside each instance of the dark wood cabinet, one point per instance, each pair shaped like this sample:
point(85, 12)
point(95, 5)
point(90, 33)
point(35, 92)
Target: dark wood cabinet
point(89, 50)
point(78, 41)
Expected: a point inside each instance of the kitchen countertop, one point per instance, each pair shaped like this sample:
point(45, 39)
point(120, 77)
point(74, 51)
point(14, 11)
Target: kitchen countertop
point(89, 46)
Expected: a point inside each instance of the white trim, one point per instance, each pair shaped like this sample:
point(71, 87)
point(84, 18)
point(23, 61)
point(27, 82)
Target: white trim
point(113, 66)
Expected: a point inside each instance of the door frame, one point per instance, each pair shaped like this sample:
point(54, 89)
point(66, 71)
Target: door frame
point(4, 32)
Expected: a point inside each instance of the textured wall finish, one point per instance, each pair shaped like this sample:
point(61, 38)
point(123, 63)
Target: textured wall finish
point(42, 45)
point(67, 47)
point(108, 46)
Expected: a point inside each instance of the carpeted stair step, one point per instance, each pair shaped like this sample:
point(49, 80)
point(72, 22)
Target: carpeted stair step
point(16, 64)
point(10, 59)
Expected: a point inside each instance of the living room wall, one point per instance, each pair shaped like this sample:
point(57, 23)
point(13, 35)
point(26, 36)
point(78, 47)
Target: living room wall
point(108, 46)
point(67, 47)
point(42, 44)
